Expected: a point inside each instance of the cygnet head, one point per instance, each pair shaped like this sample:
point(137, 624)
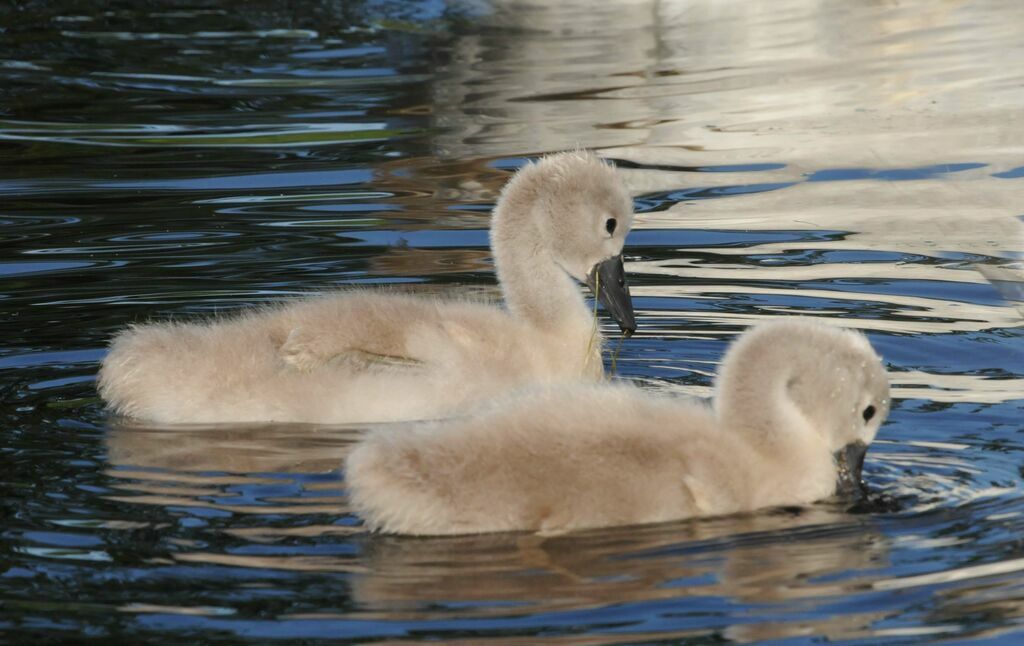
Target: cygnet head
point(799, 381)
point(573, 211)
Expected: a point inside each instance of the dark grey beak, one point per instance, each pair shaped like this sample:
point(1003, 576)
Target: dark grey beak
point(607, 280)
point(850, 460)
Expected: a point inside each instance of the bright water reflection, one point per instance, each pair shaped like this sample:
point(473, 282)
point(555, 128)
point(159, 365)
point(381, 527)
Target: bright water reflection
point(860, 162)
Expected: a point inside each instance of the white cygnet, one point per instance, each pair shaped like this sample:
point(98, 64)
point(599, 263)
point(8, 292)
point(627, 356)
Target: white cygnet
point(372, 355)
point(797, 403)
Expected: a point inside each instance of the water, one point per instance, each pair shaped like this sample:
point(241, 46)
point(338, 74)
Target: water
point(861, 162)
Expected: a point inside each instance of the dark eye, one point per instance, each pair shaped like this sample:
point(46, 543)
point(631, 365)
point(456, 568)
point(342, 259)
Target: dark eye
point(609, 225)
point(869, 412)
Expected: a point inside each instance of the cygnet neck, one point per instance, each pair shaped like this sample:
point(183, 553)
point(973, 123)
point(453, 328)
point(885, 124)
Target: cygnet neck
point(754, 401)
point(536, 288)
point(754, 397)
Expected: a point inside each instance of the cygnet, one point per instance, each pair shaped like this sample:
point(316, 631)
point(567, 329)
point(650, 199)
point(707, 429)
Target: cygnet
point(797, 402)
point(369, 355)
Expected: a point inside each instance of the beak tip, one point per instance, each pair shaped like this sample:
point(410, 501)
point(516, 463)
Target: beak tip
point(850, 462)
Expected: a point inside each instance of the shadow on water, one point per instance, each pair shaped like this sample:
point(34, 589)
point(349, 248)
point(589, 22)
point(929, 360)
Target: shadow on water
point(857, 162)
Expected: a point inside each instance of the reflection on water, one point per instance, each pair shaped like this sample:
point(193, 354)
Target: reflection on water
point(859, 162)
point(432, 580)
point(797, 81)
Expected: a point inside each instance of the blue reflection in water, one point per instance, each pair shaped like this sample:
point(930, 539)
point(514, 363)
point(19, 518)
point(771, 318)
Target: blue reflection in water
point(162, 163)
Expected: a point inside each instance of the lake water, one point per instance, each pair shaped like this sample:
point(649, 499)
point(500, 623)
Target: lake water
point(861, 162)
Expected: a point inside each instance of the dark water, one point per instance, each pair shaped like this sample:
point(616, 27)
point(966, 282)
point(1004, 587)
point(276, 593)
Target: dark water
point(862, 162)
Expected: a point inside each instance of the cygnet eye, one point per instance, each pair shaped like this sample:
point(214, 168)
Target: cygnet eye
point(869, 412)
point(610, 225)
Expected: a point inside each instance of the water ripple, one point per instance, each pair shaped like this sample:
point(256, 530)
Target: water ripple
point(856, 162)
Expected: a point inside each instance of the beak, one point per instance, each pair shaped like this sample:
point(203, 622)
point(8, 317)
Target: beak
point(607, 280)
point(850, 461)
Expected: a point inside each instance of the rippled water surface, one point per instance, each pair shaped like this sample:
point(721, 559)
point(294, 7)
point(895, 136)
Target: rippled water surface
point(856, 161)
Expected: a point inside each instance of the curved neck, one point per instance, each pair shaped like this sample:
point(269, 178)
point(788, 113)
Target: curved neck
point(754, 400)
point(535, 287)
point(751, 395)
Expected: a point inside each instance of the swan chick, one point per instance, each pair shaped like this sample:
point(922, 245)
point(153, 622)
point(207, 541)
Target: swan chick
point(796, 404)
point(369, 355)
